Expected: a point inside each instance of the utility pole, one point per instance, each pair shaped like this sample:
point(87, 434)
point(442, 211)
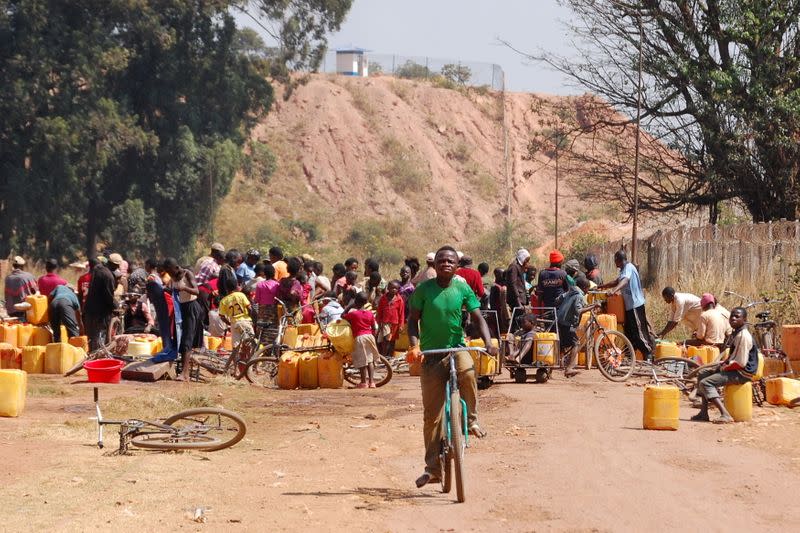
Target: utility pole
point(636, 157)
point(556, 224)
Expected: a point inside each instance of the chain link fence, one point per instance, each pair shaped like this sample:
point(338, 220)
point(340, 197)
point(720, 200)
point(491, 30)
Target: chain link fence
point(480, 74)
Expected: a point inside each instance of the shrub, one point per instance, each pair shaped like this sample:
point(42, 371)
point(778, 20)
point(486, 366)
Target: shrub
point(441, 82)
point(261, 163)
point(460, 151)
point(365, 234)
point(403, 168)
point(413, 71)
point(308, 230)
point(582, 245)
point(496, 246)
point(375, 68)
point(481, 179)
point(457, 73)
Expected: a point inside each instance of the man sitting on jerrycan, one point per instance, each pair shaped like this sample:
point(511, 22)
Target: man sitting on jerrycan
point(435, 323)
point(737, 367)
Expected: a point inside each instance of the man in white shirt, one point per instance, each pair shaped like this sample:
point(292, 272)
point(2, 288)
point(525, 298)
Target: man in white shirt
point(684, 307)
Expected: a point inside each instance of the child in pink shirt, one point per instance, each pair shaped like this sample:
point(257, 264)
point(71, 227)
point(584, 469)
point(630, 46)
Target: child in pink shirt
point(362, 322)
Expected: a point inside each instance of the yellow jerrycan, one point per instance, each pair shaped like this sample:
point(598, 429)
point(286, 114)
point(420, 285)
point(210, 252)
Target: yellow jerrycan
point(661, 407)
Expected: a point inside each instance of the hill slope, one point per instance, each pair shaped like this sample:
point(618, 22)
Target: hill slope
point(390, 166)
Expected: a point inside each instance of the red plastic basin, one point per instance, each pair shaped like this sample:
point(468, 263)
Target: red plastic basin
point(104, 370)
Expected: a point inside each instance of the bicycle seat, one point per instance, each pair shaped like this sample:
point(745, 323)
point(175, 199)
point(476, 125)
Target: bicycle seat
point(762, 315)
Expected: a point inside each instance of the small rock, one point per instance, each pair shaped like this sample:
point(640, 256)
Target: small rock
point(371, 417)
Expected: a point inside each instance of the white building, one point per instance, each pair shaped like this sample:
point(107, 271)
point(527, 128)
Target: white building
point(352, 62)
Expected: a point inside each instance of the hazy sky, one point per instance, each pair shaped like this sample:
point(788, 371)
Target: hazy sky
point(462, 30)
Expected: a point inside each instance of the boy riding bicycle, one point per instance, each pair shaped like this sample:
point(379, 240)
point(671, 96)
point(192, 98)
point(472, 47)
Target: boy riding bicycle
point(436, 306)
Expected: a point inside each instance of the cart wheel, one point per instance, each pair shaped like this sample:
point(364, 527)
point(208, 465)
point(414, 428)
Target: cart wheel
point(520, 375)
point(484, 382)
point(542, 375)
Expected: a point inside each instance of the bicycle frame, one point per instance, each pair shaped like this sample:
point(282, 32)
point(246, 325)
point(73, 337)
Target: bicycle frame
point(127, 428)
point(452, 385)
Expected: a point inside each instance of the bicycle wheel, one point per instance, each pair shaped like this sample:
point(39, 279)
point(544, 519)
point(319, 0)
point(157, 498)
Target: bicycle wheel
point(241, 356)
point(173, 441)
point(457, 443)
point(225, 426)
point(382, 373)
point(614, 355)
point(675, 367)
point(262, 371)
point(209, 360)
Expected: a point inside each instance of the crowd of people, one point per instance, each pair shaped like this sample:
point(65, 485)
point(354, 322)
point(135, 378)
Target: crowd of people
point(227, 291)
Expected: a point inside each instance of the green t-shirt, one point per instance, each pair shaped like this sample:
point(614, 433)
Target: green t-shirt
point(440, 308)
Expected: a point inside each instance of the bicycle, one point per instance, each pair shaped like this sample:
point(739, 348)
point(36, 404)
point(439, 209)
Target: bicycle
point(206, 429)
point(611, 349)
point(455, 432)
point(767, 338)
point(262, 369)
point(233, 363)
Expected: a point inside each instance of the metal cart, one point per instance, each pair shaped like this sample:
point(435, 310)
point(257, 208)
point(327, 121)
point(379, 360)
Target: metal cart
point(545, 352)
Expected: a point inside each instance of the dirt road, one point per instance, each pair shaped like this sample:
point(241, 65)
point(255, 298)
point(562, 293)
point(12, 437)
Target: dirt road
point(560, 456)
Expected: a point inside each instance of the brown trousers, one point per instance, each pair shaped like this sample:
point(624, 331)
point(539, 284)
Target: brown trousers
point(433, 379)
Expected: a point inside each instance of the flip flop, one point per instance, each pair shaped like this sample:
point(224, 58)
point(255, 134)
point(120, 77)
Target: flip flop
point(723, 420)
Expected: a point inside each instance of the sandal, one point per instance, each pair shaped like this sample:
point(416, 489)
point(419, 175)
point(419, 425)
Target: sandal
point(372, 385)
point(426, 478)
point(362, 386)
point(700, 417)
point(476, 431)
point(723, 420)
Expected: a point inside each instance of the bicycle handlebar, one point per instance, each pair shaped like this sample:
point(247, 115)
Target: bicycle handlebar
point(456, 349)
point(751, 303)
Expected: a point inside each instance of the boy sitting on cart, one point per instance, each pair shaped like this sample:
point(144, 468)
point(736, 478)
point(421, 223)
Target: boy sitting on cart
point(524, 353)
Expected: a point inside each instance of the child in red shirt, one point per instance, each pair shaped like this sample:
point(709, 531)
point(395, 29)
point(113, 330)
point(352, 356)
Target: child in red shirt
point(391, 316)
point(362, 322)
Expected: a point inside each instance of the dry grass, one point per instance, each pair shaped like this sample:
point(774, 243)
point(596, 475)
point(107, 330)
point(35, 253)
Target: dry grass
point(403, 90)
point(403, 167)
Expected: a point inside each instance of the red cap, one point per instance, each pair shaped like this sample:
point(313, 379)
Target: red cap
point(706, 299)
point(556, 256)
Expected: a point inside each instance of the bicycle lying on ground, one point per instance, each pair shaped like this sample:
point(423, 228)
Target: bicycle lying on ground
point(223, 362)
point(206, 429)
point(109, 351)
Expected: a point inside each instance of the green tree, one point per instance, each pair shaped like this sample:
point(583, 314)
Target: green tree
point(122, 118)
point(457, 73)
point(412, 70)
point(721, 88)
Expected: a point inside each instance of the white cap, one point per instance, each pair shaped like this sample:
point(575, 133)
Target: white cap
point(460, 255)
point(18, 261)
point(430, 257)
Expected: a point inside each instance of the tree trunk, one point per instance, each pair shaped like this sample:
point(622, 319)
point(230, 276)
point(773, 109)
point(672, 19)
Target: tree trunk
point(91, 230)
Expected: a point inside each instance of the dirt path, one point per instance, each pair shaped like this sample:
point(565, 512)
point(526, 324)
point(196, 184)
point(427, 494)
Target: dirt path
point(560, 456)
